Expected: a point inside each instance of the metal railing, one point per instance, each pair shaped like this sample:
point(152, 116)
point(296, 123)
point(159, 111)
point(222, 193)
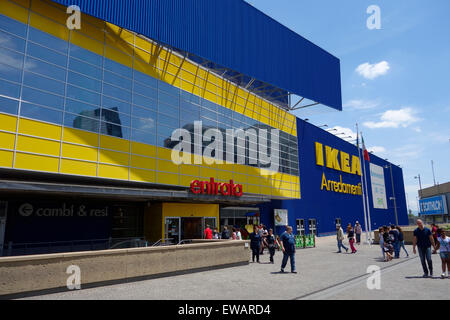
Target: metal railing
point(31, 248)
point(162, 242)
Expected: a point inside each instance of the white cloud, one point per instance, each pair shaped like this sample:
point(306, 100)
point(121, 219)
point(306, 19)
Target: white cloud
point(358, 104)
point(377, 149)
point(394, 119)
point(372, 71)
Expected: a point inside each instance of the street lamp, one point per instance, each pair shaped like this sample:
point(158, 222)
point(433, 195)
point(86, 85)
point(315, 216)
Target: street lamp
point(393, 194)
point(325, 125)
point(420, 185)
point(338, 134)
point(329, 130)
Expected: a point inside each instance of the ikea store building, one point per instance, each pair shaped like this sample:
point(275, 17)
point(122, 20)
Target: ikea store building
point(88, 112)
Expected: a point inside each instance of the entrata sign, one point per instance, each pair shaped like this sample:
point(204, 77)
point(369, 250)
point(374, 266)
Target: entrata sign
point(214, 188)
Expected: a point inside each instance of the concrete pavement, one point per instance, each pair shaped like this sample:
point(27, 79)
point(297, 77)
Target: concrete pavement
point(322, 274)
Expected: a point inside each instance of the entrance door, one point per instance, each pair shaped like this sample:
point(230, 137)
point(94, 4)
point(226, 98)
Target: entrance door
point(301, 227)
point(191, 228)
point(312, 226)
point(211, 222)
point(172, 230)
point(3, 208)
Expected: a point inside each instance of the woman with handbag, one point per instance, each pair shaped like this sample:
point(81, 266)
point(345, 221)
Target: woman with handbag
point(351, 238)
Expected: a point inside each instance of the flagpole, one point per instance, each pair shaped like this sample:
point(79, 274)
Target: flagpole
point(362, 184)
point(367, 197)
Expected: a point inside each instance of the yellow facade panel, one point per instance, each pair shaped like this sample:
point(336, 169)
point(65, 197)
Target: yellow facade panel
point(49, 26)
point(23, 3)
point(114, 143)
point(164, 153)
point(79, 152)
point(7, 140)
point(14, 11)
point(143, 149)
point(225, 175)
point(147, 67)
point(167, 178)
point(143, 162)
point(92, 31)
point(185, 181)
point(266, 190)
point(36, 145)
point(142, 175)
point(208, 172)
point(8, 123)
point(112, 157)
point(80, 137)
point(49, 11)
point(167, 166)
point(191, 170)
point(118, 56)
point(6, 159)
point(85, 42)
point(36, 163)
point(113, 172)
point(253, 189)
point(78, 167)
point(253, 180)
point(39, 129)
point(240, 178)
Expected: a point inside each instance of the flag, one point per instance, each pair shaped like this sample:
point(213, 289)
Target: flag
point(366, 153)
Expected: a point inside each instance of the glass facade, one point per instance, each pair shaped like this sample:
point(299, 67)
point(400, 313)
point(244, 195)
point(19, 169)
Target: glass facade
point(50, 79)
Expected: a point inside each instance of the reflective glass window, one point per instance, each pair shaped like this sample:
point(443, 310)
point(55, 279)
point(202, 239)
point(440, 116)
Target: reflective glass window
point(144, 101)
point(208, 114)
point(169, 109)
point(83, 95)
point(145, 79)
point(12, 42)
point(43, 83)
point(10, 73)
point(48, 55)
point(121, 106)
point(46, 69)
point(143, 137)
point(80, 122)
point(164, 141)
point(145, 91)
point(43, 98)
point(86, 55)
point(165, 131)
point(13, 26)
point(168, 99)
point(40, 113)
point(116, 92)
point(11, 58)
point(189, 97)
point(114, 130)
point(81, 108)
point(112, 116)
point(169, 121)
point(147, 125)
point(48, 40)
point(9, 106)
point(84, 82)
point(143, 113)
point(9, 89)
point(187, 108)
point(168, 88)
point(118, 68)
point(85, 68)
point(117, 80)
point(208, 104)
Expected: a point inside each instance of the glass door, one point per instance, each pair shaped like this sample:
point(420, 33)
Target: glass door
point(172, 232)
point(301, 227)
point(312, 226)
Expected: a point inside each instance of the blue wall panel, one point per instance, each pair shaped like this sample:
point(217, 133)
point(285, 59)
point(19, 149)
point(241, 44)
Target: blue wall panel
point(233, 34)
point(327, 206)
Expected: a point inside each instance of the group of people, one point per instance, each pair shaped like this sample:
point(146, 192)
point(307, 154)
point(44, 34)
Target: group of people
point(225, 234)
point(352, 233)
point(261, 238)
point(391, 242)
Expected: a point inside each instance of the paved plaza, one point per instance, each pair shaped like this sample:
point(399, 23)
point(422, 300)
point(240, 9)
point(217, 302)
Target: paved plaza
point(322, 274)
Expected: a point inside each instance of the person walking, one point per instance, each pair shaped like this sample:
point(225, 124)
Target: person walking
point(434, 232)
point(208, 234)
point(270, 242)
point(401, 240)
point(394, 234)
point(358, 232)
point(215, 234)
point(238, 234)
point(443, 245)
point(261, 237)
point(288, 248)
point(225, 233)
point(233, 235)
point(423, 239)
point(351, 237)
point(384, 246)
point(340, 237)
point(255, 243)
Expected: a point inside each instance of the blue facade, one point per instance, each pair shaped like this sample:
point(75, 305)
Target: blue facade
point(234, 35)
point(326, 206)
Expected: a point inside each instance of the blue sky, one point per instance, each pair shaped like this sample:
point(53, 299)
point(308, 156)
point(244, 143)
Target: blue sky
point(395, 81)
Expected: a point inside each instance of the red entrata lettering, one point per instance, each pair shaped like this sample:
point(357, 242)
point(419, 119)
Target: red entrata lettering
point(214, 188)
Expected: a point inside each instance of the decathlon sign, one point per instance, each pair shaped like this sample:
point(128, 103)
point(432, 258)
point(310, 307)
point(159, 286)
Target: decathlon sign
point(433, 205)
point(215, 188)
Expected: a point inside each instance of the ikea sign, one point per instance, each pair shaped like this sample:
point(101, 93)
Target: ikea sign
point(434, 205)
